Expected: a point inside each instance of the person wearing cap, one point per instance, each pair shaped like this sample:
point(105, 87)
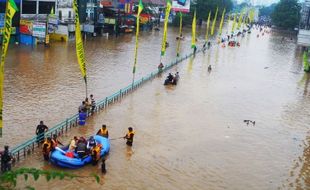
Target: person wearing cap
point(129, 136)
point(6, 159)
point(41, 129)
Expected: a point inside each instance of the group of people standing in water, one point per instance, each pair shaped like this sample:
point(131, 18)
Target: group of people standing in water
point(88, 105)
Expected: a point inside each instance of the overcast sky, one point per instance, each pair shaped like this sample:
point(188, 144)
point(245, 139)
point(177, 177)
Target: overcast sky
point(261, 2)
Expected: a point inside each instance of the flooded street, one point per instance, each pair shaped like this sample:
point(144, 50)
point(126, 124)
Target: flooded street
point(189, 136)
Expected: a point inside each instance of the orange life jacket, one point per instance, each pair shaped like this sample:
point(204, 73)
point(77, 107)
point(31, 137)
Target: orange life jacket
point(104, 132)
point(96, 151)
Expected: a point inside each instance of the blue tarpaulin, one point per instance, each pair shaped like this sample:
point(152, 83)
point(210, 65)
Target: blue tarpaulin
point(4, 1)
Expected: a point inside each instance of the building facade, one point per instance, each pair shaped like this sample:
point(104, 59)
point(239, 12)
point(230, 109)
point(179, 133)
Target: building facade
point(304, 25)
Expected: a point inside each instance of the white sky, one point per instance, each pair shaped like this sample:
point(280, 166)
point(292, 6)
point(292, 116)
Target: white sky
point(260, 2)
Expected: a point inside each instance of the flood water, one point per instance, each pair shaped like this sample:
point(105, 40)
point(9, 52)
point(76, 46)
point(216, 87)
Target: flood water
point(189, 136)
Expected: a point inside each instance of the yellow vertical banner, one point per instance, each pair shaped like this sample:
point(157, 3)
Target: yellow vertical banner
point(234, 24)
point(167, 13)
point(222, 21)
point(140, 8)
point(240, 20)
point(9, 13)
point(79, 43)
point(208, 26)
point(214, 21)
point(194, 31)
point(180, 34)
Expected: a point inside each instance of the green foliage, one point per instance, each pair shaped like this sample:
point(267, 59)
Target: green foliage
point(267, 11)
point(8, 180)
point(286, 14)
point(203, 7)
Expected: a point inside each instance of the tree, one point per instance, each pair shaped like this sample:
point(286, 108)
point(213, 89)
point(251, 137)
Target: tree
point(286, 14)
point(267, 11)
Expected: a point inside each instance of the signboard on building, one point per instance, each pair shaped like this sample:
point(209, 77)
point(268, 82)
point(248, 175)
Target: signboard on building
point(106, 3)
point(181, 5)
point(62, 29)
point(125, 5)
point(52, 23)
point(39, 29)
point(25, 27)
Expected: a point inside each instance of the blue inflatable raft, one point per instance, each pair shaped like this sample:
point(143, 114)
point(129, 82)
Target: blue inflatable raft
point(60, 159)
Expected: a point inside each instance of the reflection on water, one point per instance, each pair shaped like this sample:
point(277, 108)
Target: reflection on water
point(189, 136)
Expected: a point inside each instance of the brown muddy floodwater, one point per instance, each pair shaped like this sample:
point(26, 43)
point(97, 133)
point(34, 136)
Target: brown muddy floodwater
point(191, 136)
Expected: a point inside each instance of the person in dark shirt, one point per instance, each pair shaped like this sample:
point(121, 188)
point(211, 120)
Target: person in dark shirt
point(41, 129)
point(6, 159)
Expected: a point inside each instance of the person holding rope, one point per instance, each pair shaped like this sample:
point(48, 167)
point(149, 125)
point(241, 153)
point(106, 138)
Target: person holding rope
point(129, 136)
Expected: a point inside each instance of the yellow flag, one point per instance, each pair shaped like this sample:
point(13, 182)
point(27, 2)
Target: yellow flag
point(9, 13)
point(208, 26)
point(180, 34)
point(194, 31)
point(252, 15)
point(214, 21)
point(222, 21)
point(52, 11)
point(79, 43)
point(234, 24)
point(163, 45)
point(240, 20)
point(140, 8)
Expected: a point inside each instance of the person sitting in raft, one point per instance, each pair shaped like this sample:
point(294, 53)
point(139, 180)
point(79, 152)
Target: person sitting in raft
point(82, 139)
point(129, 136)
point(73, 143)
point(81, 148)
point(103, 131)
point(91, 143)
point(170, 77)
point(46, 148)
point(55, 142)
point(176, 78)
